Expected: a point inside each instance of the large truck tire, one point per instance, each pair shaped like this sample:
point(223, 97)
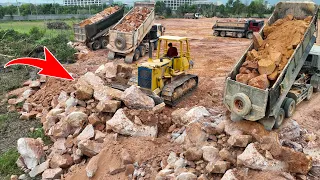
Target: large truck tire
point(279, 119)
point(136, 54)
point(96, 45)
point(223, 33)
point(289, 107)
point(315, 82)
point(120, 43)
point(249, 35)
point(239, 34)
point(241, 104)
point(216, 33)
point(142, 50)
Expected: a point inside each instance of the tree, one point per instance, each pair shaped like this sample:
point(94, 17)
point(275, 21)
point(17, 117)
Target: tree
point(2, 13)
point(168, 12)
point(160, 8)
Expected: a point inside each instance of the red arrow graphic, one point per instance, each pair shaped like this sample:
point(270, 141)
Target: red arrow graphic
point(49, 67)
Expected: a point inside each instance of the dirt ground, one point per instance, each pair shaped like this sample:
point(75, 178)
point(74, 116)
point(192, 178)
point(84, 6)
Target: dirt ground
point(214, 57)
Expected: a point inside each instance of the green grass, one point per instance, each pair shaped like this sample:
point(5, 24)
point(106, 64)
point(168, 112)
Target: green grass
point(7, 116)
point(25, 27)
point(39, 133)
point(8, 164)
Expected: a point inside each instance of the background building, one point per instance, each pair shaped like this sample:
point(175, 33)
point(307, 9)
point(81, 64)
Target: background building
point(81, 2)
point(174, 4)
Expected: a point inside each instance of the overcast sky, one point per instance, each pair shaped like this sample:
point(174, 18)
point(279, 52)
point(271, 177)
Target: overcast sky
point(126, 1)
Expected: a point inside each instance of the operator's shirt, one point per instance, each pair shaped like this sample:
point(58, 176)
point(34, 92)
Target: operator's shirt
point(172, 52)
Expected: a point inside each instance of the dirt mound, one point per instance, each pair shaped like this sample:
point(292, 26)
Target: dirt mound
point(133, 20)
point(51, 89)
point(99, 16)
point(273, 53)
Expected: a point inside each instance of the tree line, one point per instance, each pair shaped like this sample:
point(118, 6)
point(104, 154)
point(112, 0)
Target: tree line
point(233, 8)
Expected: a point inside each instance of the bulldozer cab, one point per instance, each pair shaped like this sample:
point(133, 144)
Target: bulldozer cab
point(180, 62)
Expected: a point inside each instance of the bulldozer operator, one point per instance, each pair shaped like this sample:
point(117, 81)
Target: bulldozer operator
point(172, 51)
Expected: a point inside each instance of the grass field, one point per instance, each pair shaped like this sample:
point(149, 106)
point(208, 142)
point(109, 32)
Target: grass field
point(25, 26)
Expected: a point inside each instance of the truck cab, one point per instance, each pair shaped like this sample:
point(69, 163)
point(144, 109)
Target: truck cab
point(312, 67)
point(254, 25)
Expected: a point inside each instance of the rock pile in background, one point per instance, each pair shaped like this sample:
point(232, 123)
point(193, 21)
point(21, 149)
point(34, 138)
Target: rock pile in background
point(266, 61)
point(133, 20)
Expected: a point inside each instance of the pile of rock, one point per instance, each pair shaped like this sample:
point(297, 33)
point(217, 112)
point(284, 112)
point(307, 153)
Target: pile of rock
point(82, 49)
point(212, 148)
point(133, 20)
point(79, 122)
point(106, 12)
point(266, 61)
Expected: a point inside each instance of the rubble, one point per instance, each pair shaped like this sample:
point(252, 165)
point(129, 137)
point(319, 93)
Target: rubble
point(218, 167)
point(52, 173)
point(92, 166)
point(108, 106)
point(39, 169)
point(210, 153)
point(240, 140)
point(90, 148)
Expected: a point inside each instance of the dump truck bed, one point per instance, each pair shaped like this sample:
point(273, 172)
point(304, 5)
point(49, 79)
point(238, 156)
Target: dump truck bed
point(132, 39)
point(221, 24)
point(265, 103)
point(85, 32)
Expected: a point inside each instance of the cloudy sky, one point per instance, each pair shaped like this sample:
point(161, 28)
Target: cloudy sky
point(126, 1)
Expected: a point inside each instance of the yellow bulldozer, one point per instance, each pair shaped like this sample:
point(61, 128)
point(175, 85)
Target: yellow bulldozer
point(165, 78)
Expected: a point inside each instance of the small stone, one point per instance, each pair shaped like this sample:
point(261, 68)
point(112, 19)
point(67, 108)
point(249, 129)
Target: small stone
point(99, 136)
point(92, 166)
point(62, 161)
point(93, 119)
point(90, 148)
point(180, 163)
point(217, 167)
point(14, 177)
point(159, 108)
point(27, 107)
point(268, 155)
point(240, 140)
point(115, 170)
point(137, 120)
point(35, 84)
point(202, 177)
point(23, 176)
point(87, 133)
point(110, 106)
point(126, 157)
point(226, 155)
point(39, 169)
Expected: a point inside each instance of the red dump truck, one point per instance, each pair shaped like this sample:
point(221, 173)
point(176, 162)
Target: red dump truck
point(237, 29)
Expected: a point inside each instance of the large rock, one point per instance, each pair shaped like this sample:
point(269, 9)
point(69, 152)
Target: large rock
point(90, 148)
point(104, 93)
point(121, 124)
point(87, 133)
point(218, 167)
point(39, 169)
point(84, 90)
point(240, 140)
point(253, 159)
point(101, 71)
point(93, 80)
point(110, 106)
point(62, 161)
point(111, 70)
point(235, 174)
point(266, 66)
point(184, 117)
point(76, 119)
point(52, 173)
point(31, 150)
point(290, 129)
point(257, 41)
point(210, 153)
point(195, 135)
point(193, 154)
point(260, 82)
point(92, 166)
point(134, 98)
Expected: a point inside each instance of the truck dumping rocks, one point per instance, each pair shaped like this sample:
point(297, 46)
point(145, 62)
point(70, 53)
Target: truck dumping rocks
point(269, 57)
point(99, 16)
point(133, 20)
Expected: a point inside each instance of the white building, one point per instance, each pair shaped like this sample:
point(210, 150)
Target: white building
point(174, 4)
point(82, 2)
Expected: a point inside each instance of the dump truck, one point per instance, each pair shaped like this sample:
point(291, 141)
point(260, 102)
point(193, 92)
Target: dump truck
point(295, 83)
point(238, 29)
point(130, 37)
point(191, 15)
point(94, 31)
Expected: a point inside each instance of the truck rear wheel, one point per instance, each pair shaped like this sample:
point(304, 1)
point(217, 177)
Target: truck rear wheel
point(222, 33)
point(315, 82)
point(239, 34)
point(142, 50)
point(216, 33)
point(250, 35)
point(136, 55)
point(120, 43)
point(241, 104)
point(96, 45)
point(289, 107)
point(279, 119)
point(104, 43)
